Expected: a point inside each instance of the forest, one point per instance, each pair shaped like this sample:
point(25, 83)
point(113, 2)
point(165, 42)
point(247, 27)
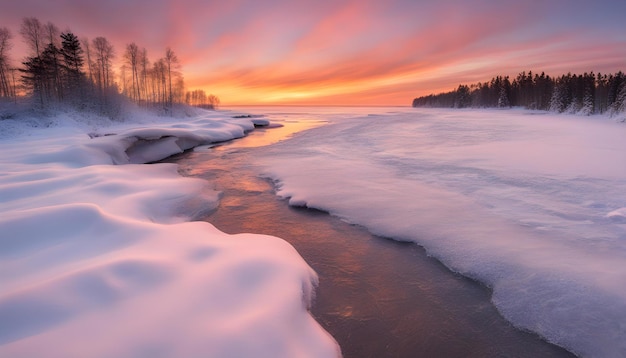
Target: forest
point(63, 69)
point(581, 94)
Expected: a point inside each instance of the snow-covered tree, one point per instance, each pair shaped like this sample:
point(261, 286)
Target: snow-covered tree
point(588, 104)
point(503, 98)
point(619, 106)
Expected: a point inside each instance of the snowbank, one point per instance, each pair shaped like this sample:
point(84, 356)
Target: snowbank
point(100, 260)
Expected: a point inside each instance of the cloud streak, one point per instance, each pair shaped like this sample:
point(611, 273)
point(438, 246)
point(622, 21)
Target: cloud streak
point(349, 52)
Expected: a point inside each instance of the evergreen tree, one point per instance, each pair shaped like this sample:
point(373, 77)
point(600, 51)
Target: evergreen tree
point(619, 106)
point(54, 72)
point(584, 94)
point(503, 98)
point(463, 98)
point(50, 58)
point(588, 93)
point(601, 93)
point(614, 85)
point(72, 54)
point(33, 77)
point(544, 87)
point(74, 79)
point(559, 100)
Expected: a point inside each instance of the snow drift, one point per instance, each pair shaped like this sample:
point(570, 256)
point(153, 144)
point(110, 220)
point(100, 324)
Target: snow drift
point(100, 260)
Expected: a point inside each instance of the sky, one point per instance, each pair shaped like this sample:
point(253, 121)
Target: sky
point(336, 52)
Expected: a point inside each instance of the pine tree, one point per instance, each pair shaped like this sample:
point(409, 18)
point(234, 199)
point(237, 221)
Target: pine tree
point(583, 94)
point(503, 99)
point(588, 104)
point(615, 83)
point(463, 98)
point(601, 93)
point(74, 78)
point(558, 102)
point(51, 62)
point(619, 106)
point(33, 77)
point(72, 54)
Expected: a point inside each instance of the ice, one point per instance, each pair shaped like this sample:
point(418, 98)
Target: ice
point(530, 205)
point(101, 260)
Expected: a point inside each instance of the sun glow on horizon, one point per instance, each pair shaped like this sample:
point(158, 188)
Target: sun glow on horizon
point(347, 52)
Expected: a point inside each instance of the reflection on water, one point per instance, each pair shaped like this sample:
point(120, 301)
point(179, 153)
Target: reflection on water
point(265, 136)
point(377, 297)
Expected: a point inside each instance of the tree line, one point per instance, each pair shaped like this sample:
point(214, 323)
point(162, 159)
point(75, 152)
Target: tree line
point(60, 68)
point(583, 94)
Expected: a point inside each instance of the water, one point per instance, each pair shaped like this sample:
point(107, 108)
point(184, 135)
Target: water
point(377, 297)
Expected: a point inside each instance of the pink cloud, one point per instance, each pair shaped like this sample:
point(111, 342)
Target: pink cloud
point(351, 51)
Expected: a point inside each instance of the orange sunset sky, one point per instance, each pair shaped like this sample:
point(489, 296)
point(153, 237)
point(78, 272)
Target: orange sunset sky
point(345, 52)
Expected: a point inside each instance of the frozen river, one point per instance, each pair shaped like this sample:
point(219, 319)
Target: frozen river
point(530, 204)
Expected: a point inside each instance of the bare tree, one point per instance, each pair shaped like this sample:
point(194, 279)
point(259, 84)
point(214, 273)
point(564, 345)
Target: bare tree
point(144, 65)
point(172, 64)
point(14, 82)
point(179, 90)
point(199, 98)
point(87, 48)
point(51, 33)
point(123, 80)
point(5, 46)
point(132, 59)
point(158, 76)
point(196, 98)
point(104, 56)
point(213, 101)
point(33, 33)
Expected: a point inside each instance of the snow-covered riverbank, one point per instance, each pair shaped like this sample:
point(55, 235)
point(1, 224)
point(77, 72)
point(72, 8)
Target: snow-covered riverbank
point(100, 260)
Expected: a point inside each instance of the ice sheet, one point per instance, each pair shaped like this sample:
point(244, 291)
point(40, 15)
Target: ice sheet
point(529, 203)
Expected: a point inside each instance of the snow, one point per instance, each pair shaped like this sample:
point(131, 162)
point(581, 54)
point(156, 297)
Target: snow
point(99, 258)
point(618, 215)
point(532, 204)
